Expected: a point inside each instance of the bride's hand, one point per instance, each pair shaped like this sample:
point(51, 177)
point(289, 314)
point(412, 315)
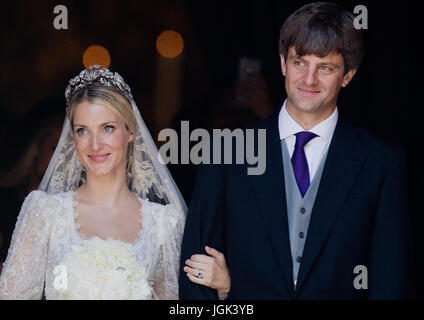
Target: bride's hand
point(210, 271)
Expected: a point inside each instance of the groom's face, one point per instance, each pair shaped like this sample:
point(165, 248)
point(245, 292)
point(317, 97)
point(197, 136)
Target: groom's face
point(313, 83)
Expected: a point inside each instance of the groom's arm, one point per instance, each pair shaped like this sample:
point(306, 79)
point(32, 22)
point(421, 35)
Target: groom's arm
point(390, 254)
point(204, 226)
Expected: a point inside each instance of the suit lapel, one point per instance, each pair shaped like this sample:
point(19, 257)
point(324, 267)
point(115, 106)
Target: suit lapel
point(270, 192)
point(344, 162)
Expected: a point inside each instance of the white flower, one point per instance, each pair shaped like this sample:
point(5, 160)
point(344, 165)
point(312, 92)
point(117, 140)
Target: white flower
point(104, 269)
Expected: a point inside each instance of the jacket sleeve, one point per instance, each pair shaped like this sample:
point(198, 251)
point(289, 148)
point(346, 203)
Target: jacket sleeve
point(391, 252)
point(204, 226)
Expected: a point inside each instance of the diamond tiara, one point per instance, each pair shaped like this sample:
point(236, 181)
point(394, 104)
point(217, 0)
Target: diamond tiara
point(95, 74)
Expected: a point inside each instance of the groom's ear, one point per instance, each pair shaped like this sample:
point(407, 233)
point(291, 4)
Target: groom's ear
point(283, 65)
point(348, 77)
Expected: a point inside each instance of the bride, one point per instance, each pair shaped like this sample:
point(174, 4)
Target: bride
point(107, 219)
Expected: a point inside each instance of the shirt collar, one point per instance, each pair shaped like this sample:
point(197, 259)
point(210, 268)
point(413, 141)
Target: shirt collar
point(288, 126)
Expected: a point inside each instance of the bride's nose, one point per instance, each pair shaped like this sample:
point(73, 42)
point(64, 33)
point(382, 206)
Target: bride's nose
point(96, 142)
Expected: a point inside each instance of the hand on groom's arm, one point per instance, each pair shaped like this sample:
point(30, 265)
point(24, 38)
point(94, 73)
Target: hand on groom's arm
point(214, 271)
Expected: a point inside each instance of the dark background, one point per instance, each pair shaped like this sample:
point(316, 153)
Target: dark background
point(37, 62)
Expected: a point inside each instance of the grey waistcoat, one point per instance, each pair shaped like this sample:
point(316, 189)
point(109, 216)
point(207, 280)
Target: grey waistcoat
point(299, 209)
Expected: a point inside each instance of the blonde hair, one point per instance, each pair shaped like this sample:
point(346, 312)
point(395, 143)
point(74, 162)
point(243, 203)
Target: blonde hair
point(108, 97)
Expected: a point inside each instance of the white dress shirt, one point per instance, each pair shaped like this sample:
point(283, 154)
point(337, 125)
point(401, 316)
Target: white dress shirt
point(314, 149)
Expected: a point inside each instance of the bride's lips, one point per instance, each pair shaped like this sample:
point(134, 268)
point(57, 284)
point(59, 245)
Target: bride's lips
point(309, 93)
point(98, 158)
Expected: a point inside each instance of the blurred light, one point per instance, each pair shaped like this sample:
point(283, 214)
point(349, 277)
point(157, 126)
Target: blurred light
point(169, 44)
point(96, 54)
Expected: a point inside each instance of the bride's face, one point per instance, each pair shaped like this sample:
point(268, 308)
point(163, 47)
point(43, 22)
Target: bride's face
point(101, 139)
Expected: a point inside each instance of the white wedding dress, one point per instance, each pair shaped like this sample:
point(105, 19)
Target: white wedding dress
point(46, 236)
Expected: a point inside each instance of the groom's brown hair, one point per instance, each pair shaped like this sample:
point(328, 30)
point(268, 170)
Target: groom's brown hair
point(321, 28)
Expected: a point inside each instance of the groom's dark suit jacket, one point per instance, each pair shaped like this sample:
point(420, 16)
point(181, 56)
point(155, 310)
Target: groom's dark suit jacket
point(360, 217)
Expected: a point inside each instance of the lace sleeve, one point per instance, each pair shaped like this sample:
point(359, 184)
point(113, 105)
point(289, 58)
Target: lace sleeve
point(170, 237)
point(24, 270)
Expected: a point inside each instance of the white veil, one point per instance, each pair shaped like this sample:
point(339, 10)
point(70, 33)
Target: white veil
point(147, 176)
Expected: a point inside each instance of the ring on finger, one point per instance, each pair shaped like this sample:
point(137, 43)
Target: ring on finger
point(200, 274)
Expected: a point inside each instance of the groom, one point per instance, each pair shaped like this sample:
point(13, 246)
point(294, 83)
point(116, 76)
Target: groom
point(329, 218)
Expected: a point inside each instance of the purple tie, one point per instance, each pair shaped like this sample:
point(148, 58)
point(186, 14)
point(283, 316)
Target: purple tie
point(300, 165)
